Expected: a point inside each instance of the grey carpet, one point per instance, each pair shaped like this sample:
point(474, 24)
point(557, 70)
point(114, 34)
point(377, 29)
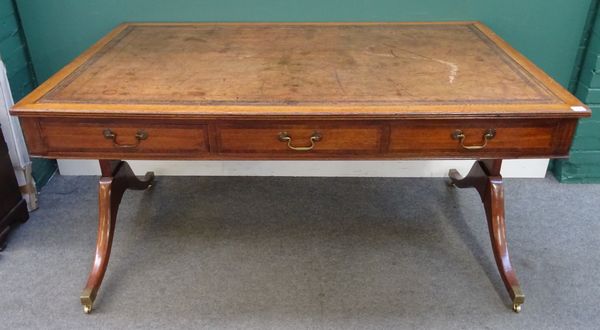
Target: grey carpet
point(305, 253)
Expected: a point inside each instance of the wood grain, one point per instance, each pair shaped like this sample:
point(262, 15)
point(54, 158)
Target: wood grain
point(526, 137)
point(116, 178)
point(486, 179)
point(80, 135)
point(346, 139)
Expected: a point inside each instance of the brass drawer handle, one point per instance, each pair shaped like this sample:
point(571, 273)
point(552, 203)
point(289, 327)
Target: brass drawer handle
point(459, 135)
point(285, 137)
point(139, 136)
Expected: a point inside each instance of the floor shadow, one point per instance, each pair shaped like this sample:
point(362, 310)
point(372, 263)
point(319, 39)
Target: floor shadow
point(378, 221)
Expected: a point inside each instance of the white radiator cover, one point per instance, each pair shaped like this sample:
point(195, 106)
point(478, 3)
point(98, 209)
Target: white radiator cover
point(13, 136)
point(521, 168)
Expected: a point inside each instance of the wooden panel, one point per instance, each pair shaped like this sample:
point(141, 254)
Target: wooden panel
point(32, 133)
point(9, 189)
point(84, 137)
point(335, 138)
point(13, 208)
point(528, 138)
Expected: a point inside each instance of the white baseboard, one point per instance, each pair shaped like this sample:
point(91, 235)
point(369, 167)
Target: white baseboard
point(522, 168)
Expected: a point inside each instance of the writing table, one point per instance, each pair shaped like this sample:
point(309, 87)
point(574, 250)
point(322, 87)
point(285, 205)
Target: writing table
point(300, 91)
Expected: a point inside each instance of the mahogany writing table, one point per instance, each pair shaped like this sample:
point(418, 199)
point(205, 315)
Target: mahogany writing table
point(300, 91)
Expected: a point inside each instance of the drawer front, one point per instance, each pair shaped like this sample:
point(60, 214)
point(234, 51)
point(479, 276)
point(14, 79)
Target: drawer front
point(129, 138)
point(384, 139)
point(299, 139)
point(476, 138)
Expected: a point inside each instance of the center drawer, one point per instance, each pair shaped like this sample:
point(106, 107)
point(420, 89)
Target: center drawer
point(299, 139)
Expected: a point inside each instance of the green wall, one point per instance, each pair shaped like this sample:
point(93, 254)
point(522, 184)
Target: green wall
point(584, 163)
point(13, 50)
point(15, 55)
point(547, 31)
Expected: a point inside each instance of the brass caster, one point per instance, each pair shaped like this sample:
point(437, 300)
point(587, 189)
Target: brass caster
point(87, 299)
point(452, 173)
point(517, 308)
point(152, 178)
point(518, 299)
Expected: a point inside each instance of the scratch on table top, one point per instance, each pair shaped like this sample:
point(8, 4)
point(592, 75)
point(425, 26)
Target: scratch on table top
point(452, 67)
point(337, 78)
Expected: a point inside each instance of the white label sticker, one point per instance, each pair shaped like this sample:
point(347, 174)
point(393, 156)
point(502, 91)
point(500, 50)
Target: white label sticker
point(579, 108)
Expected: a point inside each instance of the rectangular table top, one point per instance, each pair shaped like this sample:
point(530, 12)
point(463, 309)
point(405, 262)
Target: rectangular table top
point(341, 69)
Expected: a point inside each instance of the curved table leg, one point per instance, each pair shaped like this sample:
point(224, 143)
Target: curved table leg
point(117, 177)
point(485, 177)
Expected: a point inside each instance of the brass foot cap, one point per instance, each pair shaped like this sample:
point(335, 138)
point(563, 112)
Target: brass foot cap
point(517, 308)
point(87, 300)
point(518, 299)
